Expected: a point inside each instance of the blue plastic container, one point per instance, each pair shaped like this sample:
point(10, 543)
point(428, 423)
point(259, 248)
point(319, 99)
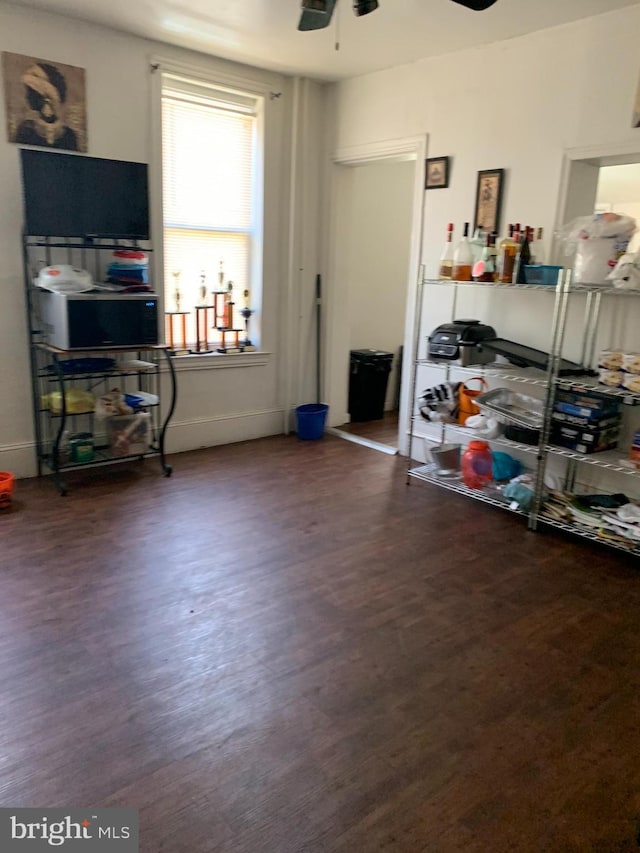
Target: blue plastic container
point(311, 420)
point(542, 274)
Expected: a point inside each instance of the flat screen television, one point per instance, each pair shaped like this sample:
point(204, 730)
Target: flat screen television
point(71, 195)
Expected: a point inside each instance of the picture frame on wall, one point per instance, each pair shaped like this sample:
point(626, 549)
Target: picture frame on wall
point(436, 176)
point(45, 103)
point(489, 189)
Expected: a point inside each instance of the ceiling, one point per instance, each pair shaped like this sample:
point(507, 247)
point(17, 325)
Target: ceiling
point(263, 32)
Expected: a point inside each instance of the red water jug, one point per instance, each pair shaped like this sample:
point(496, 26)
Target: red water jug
point(477, 465)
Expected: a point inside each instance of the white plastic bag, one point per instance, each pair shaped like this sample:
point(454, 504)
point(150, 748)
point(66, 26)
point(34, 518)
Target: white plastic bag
point(626, 274)
point(598, 242)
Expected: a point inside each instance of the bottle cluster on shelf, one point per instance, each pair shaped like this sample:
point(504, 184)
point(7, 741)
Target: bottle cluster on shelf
point(485, 258)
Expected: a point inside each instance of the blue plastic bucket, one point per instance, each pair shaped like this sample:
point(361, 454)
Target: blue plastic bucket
point(311, 419)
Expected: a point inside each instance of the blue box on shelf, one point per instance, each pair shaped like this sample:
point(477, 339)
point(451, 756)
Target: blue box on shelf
point(542, 273)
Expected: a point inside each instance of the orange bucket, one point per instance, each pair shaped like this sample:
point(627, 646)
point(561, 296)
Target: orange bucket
point(6, 488)
point(466, 396)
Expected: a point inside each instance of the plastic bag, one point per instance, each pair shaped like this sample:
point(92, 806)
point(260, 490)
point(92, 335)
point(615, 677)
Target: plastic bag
point(599, 226)
point(598, 242)
point(626, 273)
point(112, 404)
point(76, 402)
point(440, 403)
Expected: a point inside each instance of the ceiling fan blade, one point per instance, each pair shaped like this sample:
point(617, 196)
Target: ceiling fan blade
point(476, 5)
point(318, 18)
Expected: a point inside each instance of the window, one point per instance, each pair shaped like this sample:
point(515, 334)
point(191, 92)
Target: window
point(211, 186)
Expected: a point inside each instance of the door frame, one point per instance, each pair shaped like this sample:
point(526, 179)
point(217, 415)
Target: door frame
point(336, 347)
point(589, 159)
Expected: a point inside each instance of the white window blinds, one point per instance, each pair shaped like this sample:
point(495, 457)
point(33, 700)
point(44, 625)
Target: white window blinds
point(209, 156)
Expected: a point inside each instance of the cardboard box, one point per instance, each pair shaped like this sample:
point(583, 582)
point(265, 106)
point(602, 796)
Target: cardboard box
point(585, 439)
point(585, 405)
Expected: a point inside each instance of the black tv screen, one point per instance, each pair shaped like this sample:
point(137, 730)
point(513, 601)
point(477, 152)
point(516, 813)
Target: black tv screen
point(70, 195)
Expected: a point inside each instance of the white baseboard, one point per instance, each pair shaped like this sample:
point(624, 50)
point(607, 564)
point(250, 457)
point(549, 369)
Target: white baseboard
point(20, 459)
point(225, 429)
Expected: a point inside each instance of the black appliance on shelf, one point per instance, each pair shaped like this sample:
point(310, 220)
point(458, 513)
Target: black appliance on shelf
point(461, 340)
point(524, 356)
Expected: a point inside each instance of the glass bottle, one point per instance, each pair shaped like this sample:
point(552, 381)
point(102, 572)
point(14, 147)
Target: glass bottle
point(507, 252)
point(485, 268)
point(446, 259)
point(537, 246)
point(478, 244)
point(523, 259)
point(462, 258)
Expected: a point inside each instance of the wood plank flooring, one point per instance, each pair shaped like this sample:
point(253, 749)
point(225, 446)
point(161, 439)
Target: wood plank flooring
point(285, 648)
point(384, 430)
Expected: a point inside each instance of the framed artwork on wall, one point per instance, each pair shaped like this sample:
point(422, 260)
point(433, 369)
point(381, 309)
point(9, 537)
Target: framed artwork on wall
point(488, 200)
point(635, 121)
point(436, 173)
point(45, 103)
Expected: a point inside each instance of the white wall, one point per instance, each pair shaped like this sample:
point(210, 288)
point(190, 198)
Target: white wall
point(376, 205)
point(214, 405)
point(516, 105)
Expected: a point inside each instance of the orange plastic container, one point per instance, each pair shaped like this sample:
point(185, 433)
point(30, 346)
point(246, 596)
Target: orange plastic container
point(6, 488)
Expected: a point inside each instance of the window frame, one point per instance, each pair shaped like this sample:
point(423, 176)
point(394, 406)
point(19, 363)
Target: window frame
point(261, 90)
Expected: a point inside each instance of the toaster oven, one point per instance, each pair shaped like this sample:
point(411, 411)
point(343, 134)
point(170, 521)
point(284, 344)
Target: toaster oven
point(461, 341)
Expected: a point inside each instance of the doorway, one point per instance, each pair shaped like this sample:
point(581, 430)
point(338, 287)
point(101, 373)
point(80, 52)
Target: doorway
point(619, 192)
point(376, 227)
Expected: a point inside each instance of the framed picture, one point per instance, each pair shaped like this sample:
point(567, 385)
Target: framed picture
point(489, 200)
point(436, 173)
point(45, 102)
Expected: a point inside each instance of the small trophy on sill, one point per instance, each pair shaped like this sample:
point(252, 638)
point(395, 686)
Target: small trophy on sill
point(203, 288)
point(176, 293)
point(246, 312)
point(177, 345)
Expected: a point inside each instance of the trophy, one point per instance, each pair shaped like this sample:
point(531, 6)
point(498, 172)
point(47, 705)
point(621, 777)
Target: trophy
point(246, 312)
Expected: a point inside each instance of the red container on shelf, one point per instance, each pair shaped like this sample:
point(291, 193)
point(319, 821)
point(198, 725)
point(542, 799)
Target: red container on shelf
point(477, 465)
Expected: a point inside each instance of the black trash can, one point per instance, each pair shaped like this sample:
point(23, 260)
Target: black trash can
point(368, 376)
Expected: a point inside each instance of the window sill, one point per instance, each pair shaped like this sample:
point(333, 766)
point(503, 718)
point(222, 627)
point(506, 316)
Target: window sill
point(218, 360)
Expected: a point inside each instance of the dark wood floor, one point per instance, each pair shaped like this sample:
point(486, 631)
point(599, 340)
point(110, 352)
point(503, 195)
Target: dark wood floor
point(384, 430)
point(284, 648)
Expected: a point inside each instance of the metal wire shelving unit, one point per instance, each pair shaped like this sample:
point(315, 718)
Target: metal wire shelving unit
point(549, 381)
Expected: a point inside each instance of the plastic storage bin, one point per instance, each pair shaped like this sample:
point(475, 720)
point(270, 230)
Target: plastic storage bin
point(6, 488)
point(310, 419)
point(81, 447)
point(368, 376)
point(477, 465)
point(542, 274)
point(129, 435)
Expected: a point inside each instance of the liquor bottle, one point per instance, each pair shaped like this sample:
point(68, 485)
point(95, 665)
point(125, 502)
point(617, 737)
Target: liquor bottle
point(507, 252)
point(523, 259)
point(485, 268)
point(537, 246)
point(478, 244)
point(446, 259)
point(462, 258)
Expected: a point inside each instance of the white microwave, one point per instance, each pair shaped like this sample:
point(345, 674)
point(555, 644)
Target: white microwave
point(90, 321)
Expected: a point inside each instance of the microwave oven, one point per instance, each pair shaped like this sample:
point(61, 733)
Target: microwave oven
point(89, 321)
